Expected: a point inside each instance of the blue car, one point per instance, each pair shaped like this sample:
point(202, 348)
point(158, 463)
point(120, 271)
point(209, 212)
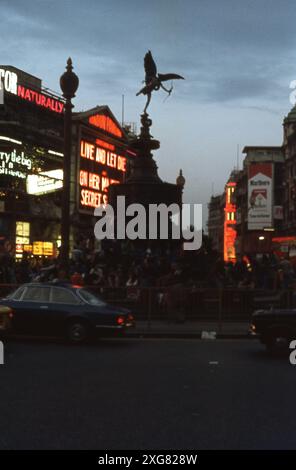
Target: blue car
point(53, 309)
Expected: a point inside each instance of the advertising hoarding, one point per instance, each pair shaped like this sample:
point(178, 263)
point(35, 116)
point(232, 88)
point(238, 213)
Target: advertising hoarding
point(260, 196)
point(102, 159)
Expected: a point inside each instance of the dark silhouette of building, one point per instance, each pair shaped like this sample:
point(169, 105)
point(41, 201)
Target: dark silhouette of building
point(215, 223)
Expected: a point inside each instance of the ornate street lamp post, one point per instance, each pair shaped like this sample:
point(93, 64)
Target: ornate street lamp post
point(69, 84)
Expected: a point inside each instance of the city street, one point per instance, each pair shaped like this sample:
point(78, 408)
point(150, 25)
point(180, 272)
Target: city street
point(146, 394)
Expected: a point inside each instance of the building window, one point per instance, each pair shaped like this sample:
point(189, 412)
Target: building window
point(230, 216)
point(22, 232)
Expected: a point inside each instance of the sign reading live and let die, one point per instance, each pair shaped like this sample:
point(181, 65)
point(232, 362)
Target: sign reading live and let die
point(102, 152)
point(100, 167)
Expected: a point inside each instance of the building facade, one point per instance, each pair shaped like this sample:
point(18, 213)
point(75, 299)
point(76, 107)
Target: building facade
point(31, 155)
point(259, 199)
point(31, 164)
point(216, 223)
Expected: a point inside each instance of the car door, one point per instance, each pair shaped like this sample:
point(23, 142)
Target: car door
point(33, 310)
point(65, 303)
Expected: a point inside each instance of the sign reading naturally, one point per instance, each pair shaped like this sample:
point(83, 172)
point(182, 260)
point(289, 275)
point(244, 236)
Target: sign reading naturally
point(9, 82)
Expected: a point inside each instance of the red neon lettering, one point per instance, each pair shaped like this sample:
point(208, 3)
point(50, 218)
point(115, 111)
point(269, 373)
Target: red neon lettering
point(111, 159)
point(21, 91)
point(87, 150)
point(49, 103)
point(101, 156)
point(94, 181)
point(121, 163)
point(90, 198)
point(106, 145)
point(83, 178)
point(40, 99)
point(105, 183)
point(28, 95)
point(105, 123)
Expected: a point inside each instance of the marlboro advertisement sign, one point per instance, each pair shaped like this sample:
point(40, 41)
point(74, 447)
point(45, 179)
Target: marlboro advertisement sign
point(260, 183)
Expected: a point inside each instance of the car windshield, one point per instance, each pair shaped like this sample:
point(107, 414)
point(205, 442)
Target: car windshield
point(90, 297)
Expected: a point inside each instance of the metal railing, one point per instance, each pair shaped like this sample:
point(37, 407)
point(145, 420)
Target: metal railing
point(178, 304)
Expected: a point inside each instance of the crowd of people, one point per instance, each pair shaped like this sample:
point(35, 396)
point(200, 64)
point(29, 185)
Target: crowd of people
point(119, 264)
point(260, 272)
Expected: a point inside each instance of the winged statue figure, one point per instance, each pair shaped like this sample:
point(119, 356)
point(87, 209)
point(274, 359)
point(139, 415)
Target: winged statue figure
point(153, 80)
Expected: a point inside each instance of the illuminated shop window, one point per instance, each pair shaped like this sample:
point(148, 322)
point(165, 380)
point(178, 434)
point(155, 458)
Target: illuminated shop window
point(43, 248)
point(22, 235)
point(22, 229)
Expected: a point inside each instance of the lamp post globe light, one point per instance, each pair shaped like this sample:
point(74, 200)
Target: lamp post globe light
point(69, 84)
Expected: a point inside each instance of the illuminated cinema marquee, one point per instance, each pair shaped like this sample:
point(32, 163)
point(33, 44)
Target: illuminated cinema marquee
point(101, 155)
point(100, 166)
point(106, 124)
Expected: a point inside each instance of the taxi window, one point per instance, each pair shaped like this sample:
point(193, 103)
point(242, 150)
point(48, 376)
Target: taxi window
point(63, 296)
point(37, 294)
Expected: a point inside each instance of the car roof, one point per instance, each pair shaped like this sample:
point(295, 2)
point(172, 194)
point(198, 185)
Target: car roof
point(64, 284)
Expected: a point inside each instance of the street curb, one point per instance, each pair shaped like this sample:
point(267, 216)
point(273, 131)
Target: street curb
point(150, 334)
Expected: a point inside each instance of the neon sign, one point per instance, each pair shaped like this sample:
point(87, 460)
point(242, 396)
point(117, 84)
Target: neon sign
point(9, 80)
point(100, 155)
point(106, 124)
point(40, 99)
point(13, 163)
point(230, 224)
point(95, 181)
point(100, 166)
point(92, 198)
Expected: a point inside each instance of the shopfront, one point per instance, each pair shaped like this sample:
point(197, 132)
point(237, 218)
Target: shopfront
point(31, 160)
point(31, 165)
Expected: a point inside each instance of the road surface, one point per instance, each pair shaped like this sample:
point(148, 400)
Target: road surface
point(146, 394)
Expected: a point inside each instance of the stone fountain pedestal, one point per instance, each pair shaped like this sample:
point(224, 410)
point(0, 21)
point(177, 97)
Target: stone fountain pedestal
point(143, 184)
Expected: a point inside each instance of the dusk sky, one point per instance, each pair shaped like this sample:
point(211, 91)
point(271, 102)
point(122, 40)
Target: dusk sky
point(238, 58)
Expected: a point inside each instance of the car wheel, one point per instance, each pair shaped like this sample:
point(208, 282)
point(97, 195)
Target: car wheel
point(77, 331)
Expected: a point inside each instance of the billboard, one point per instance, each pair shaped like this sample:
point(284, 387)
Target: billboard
point(28, 88)
point(260, 196)
point(45, 182)
point(101, 164)
point(230, 223)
